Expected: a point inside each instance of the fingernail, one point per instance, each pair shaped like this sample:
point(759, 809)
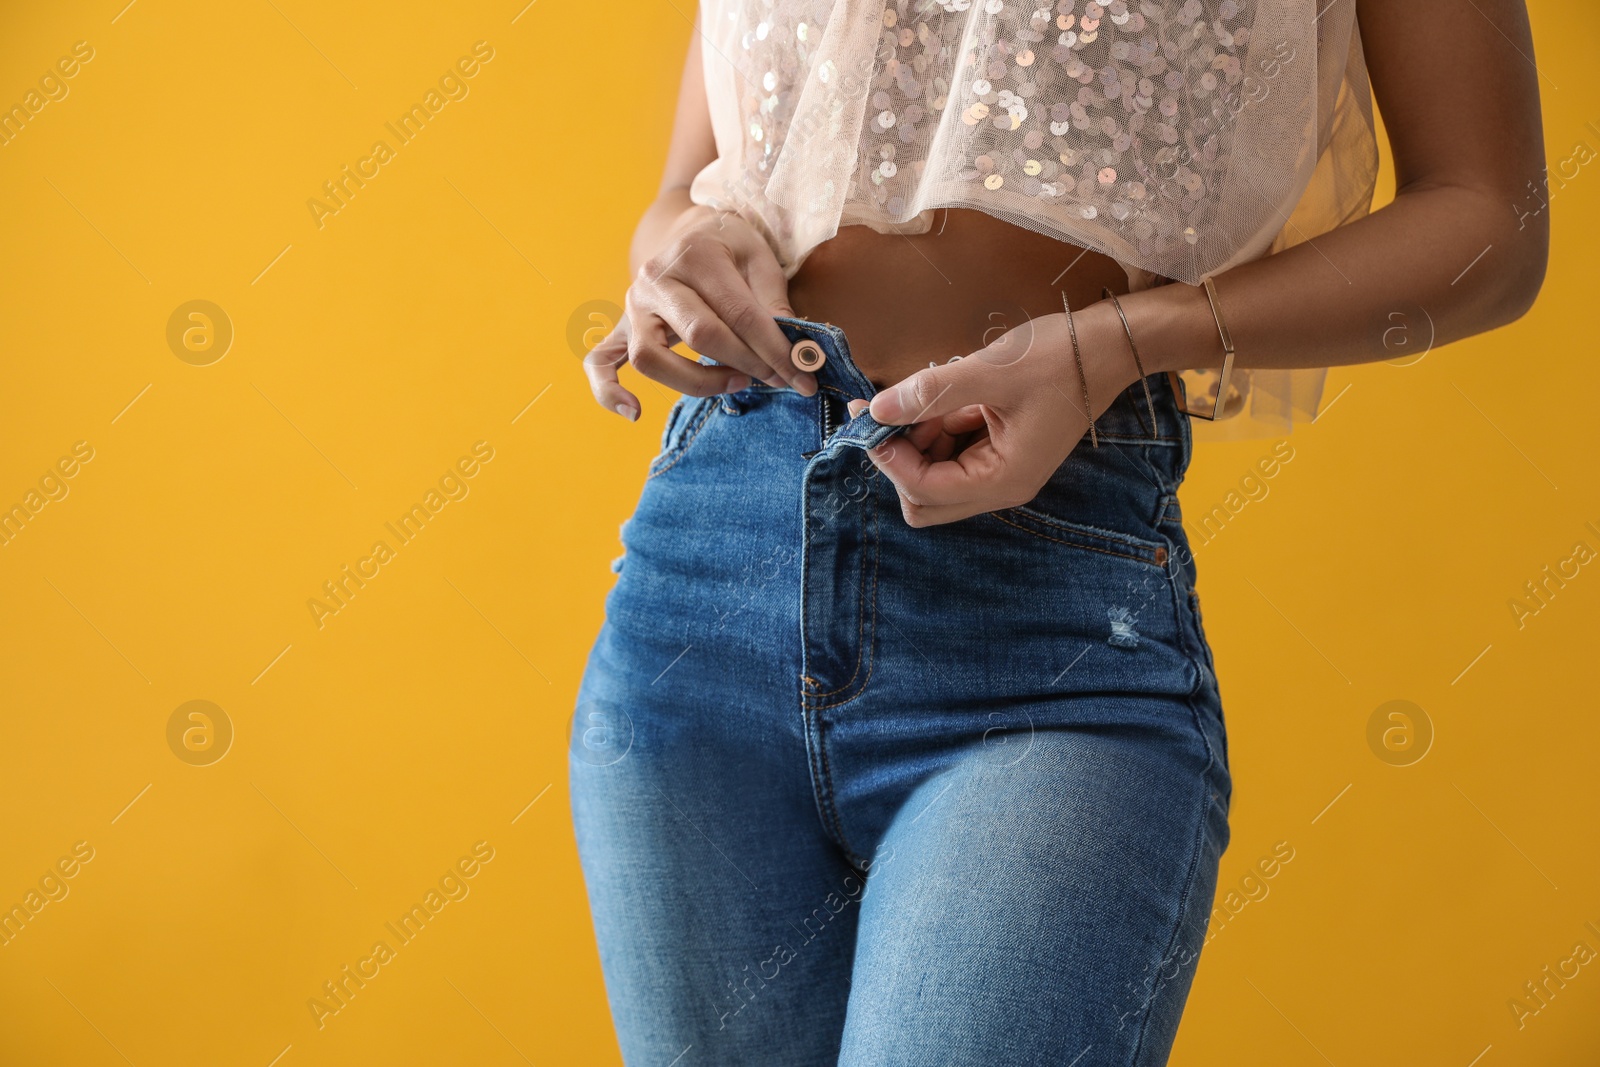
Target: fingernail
point(738, 383)
point(856, 407)
point(627, 412)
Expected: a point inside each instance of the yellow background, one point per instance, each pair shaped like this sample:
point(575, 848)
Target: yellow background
point(429, 713)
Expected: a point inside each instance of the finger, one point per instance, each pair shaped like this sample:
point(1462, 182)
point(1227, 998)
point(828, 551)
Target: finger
point(650, 352)
point(927, 437)
point(941, 390)
point(768, 283)
point(705, 296)
point(924, 436)
point(600, 366)
point(970, 478)
point(690, 319)
point(770, 288)
point(920, 515)
point(753, 327)
point(961, 429)
point(942, 447)
point(965, 420)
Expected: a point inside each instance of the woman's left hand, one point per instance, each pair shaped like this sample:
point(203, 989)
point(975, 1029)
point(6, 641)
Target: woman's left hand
point(989, 429)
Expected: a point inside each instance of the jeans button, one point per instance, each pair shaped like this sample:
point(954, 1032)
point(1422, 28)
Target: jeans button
point(807, 355)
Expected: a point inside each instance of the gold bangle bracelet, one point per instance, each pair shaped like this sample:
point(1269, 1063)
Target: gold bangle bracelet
point(1149, 401)
point(1227, 361)
point(1077, 357)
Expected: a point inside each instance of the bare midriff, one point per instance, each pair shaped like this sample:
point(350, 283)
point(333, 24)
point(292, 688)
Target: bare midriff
point(907, 300)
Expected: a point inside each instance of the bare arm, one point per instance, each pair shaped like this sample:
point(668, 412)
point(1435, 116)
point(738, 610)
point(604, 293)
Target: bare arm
point(701, 276)
point(1460, 99)
point(691, 149)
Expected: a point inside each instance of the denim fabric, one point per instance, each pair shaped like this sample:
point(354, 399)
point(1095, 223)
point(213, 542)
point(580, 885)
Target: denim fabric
point(851, 792)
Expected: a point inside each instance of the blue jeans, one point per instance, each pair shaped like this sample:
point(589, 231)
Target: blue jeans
point(851, 792)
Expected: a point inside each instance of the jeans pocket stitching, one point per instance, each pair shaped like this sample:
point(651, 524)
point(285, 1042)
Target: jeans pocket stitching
point(681, 433)
point(1136, 549)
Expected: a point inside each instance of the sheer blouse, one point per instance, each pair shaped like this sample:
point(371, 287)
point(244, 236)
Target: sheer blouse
point(1179, 137)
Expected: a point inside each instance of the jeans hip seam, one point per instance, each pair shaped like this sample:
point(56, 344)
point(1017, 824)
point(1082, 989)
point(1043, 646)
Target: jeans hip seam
point(1196, 852)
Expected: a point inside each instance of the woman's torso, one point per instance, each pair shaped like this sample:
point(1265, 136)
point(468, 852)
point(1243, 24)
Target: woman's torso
point(907, 300)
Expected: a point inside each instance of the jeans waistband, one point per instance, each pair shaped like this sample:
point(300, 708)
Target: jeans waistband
point(1128, 416)
point(841, 373)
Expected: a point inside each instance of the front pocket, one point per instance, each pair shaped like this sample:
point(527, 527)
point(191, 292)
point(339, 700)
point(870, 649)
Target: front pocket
point(1081, 535)
point(685, 421)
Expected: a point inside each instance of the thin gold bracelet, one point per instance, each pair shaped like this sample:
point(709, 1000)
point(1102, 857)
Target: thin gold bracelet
point(1137, 362)
point(1088, 412)
point(1227, 361)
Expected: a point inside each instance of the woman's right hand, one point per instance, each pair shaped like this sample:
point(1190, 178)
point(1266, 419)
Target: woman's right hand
point(716, 287)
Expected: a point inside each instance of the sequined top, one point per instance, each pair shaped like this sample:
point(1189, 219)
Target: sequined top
point(1179, 137)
